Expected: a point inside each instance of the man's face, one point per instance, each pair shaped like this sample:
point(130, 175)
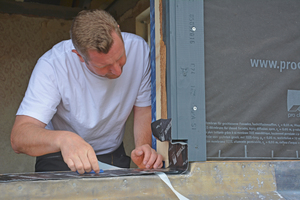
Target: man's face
point(108, 65)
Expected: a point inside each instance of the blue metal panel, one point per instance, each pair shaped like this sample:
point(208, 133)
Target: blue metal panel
point(184, 37)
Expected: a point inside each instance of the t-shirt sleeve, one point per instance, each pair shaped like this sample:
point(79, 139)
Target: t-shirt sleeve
point(42, 95)
point(144, 94)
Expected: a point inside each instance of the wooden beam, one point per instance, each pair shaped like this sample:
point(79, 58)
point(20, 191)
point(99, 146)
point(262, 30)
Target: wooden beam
point(161, 95)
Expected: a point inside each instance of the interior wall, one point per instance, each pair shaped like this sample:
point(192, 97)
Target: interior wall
point(23, 39)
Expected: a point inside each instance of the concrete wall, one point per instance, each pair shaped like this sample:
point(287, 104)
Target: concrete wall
point(23, 39)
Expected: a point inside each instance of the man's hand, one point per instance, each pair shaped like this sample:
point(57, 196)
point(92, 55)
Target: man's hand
point(146, 157)
point(29, 136)
point(78, 154)
point(143, 155)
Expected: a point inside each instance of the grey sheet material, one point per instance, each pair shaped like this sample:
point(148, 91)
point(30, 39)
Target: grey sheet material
point(252, 112)
point(44, 176)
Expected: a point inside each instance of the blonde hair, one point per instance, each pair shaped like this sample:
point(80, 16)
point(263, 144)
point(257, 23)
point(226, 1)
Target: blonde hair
point(91, 30)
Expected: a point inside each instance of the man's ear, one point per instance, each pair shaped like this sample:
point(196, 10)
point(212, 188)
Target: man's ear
point(80, 57)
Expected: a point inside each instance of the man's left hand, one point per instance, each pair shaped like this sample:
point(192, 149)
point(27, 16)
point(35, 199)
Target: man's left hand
point(146, 158)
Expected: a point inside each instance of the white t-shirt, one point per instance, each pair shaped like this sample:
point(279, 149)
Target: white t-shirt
point(64, 94)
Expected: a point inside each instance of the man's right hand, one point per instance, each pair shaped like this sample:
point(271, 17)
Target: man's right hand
point(29, 136)
point(78, 154)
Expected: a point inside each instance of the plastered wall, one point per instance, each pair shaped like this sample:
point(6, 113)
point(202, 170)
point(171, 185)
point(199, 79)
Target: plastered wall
point(23, 39)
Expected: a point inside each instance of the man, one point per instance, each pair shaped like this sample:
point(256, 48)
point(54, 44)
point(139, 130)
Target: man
point(79, 97)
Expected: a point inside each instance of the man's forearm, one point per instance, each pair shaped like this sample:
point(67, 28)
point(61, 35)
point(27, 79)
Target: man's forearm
point(30, 137)
point(142, 126)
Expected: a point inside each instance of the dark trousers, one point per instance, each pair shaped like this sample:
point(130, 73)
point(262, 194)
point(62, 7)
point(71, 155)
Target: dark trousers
point(55, 162)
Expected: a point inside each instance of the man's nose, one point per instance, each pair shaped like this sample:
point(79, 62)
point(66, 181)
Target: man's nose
point(116, 69)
